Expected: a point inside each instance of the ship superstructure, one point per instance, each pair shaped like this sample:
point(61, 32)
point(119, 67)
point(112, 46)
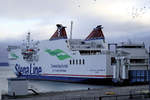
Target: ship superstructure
point(75, 60)
point(131, 62)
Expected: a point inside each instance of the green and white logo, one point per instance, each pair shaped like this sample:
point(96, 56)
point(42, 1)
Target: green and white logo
point(60, 54)
point(13, 55)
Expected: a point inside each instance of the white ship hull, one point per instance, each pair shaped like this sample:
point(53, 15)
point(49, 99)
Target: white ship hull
point(55, 67)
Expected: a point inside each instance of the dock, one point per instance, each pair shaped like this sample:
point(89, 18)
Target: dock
point(135, 92)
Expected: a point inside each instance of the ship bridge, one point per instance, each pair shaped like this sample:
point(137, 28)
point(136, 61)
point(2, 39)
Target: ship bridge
point(94, 41)
point(78, 44)
point(87, 47)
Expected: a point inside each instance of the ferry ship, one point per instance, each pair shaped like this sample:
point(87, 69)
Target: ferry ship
point(79, 60)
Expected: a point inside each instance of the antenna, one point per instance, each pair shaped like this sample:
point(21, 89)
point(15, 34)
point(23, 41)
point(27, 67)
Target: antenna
point(28, 39)
point(71, 30)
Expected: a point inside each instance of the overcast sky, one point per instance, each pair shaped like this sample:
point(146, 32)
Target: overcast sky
point(121, 19)
point(124, 19)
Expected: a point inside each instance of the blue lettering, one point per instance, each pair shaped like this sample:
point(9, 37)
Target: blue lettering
point(28, 70)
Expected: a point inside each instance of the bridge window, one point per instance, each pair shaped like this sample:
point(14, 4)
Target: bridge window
point(76, 61)
point(73, 61)
point(137, 60)
point(80, 61)
point(83, 61)
point(70, 62)
point(89, 52)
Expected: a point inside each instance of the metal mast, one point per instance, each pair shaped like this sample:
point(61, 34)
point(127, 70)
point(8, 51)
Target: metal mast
point(28, 39)
point(71, 30)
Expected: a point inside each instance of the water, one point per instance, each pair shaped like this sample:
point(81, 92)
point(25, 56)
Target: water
point(42, 86)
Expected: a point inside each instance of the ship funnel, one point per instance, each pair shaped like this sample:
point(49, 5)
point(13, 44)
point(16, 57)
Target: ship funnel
point(96, 34)
point(60, 33)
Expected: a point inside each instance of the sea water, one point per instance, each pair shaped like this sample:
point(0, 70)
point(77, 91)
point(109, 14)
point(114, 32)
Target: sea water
point(41, 86)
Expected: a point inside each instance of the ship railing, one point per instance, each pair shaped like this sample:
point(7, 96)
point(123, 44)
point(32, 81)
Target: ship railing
point(138, 57)
point(84, 48)
point(139, 64)
point(130, 96)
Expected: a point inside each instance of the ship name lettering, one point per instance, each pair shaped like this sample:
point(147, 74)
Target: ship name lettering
point(28, 70)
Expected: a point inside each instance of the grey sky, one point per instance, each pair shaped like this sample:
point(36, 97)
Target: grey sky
point(120, 18)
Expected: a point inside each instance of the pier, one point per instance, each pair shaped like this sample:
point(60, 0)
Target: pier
point(135, 92)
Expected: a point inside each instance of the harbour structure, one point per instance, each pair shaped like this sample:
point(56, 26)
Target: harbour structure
point(79, 60)
point(3, 57)
point(131, 62)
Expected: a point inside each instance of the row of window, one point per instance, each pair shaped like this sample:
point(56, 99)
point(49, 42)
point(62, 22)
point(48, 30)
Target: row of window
point(138, 61)
point(91, 52)
point(77, 61)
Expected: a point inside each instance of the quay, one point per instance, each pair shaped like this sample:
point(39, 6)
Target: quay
point(135, 92)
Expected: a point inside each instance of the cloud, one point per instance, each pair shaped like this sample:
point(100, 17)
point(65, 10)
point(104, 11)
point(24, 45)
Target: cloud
point(32, 8)
point(40, 17)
